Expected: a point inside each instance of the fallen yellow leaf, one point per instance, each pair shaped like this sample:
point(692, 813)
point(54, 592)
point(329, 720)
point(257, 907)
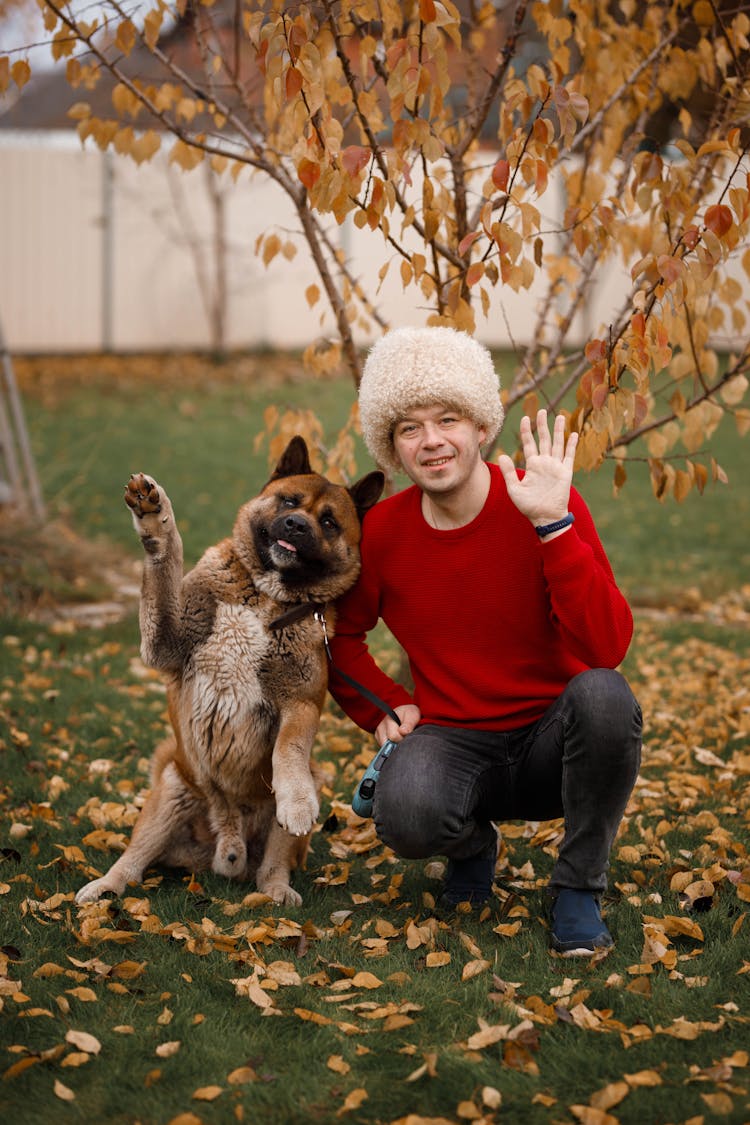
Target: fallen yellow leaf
point(337, 1064)
point(365, 980)
point(589, 1115)
point(487, 1036)
point(19, 1067)
point(352, 1101)
point(312, 1017)
point(643, 1078)
point(491, 1097)
point(609, 1095)
point(63, 1092)
point(208, 1093)
point(85, 995)
point(437, 960)
point(83, 1041)
point(474, 968)
point(241, 1075)
point(76, 1058)
point(166, 1050)
point(719, 1103)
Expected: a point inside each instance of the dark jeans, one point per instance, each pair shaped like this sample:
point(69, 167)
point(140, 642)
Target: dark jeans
point(442, 786)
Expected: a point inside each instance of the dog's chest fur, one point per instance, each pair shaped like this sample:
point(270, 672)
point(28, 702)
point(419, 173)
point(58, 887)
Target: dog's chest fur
point(238, 672)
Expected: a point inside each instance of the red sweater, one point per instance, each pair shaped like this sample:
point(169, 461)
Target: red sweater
point(495, 622)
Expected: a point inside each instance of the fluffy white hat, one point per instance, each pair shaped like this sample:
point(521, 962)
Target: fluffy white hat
point(414, 367)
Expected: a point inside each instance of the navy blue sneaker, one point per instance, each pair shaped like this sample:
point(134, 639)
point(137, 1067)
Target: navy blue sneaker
point(470, 880)
point(577, 928)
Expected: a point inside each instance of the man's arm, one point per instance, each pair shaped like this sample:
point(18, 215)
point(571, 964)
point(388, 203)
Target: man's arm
point(587, 606)
point(357, 613)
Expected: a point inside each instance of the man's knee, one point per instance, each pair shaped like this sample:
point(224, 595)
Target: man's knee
point(601, 702)
point(410, 810)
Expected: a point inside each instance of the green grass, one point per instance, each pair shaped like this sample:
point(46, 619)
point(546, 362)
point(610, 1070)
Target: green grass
point(79, 719)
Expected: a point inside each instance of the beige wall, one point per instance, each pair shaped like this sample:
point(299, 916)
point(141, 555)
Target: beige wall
point(69, 281)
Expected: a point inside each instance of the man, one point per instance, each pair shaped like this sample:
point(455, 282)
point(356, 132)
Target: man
point(497, 586)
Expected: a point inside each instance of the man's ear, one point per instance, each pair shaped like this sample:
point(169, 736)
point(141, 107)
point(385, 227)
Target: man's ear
point(294, 461)
point(367, 491)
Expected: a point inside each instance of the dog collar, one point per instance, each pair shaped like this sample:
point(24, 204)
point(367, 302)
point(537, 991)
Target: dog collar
point(296, 613)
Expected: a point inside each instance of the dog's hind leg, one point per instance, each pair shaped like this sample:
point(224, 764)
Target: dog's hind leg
point(169, 805)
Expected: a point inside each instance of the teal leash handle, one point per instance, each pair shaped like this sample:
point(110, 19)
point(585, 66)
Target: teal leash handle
point(364, 794)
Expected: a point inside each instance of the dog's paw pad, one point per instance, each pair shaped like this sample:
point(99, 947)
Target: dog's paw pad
point(142, 495)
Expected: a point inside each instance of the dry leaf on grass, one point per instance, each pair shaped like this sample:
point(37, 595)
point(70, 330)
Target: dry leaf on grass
point(352, 1101)
point(208, 1093)
point(63, 1092)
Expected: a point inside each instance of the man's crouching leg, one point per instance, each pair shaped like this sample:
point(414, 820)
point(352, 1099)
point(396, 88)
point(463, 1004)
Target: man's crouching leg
point(424, 805)
point(601, 729)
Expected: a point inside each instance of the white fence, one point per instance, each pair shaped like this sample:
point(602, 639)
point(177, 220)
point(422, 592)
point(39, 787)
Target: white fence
point(97, 253)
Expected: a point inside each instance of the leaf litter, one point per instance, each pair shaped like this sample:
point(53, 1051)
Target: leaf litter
point(680, 868)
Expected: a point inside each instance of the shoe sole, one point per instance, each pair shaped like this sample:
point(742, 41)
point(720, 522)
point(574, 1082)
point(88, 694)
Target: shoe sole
point(599, 951)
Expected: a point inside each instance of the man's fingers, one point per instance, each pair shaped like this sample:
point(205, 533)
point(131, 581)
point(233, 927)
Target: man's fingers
point(528, 445)
point(542, 433)
point(506, 467)
point(570, 450)
point(558, 442)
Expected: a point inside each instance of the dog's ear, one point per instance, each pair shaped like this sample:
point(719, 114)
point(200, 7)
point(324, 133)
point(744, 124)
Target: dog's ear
point(294, 461)
point(367, 491)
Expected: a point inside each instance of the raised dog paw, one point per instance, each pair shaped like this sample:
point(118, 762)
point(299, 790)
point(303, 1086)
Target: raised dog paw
point(297, 812)
point(142, 495)
point(151, 510)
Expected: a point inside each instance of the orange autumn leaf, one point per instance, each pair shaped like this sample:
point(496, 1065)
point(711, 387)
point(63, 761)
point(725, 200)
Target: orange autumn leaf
point(352, 1101)
point(208, 1093)
point(436, 960)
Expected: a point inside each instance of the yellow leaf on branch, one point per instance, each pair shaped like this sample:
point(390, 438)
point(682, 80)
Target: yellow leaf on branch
point(185, 155)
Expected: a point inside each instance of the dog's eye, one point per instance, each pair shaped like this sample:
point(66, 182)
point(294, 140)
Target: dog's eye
point(288, 502)
point(328, 523)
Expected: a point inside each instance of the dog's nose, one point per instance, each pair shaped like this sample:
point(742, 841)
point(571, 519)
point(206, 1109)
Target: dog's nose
point(295, 523)
point(232, 857)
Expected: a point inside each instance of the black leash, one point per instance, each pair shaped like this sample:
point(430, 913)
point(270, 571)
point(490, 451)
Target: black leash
point(317, 609)
point(369, 695)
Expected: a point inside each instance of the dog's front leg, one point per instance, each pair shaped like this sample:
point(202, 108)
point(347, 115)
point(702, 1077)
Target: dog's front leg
point(160, 606)
point(279, 856)
point(168, 806)
point(297, 804)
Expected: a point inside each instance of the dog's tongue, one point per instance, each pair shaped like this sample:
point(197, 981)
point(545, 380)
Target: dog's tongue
point(287, 546)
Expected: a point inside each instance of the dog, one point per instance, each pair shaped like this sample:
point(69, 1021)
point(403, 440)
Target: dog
point(241, 640)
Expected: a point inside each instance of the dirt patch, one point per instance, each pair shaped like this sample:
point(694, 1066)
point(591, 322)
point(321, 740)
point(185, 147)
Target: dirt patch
point(48, 572)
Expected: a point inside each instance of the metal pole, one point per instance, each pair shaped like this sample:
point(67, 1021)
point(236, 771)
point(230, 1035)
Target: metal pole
point(22, 436)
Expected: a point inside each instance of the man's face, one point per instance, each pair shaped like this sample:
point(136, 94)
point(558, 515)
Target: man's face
point(438, 447)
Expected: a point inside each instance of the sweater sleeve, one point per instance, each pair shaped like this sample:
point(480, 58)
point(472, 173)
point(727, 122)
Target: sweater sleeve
point(356, 614)
point(589, 611)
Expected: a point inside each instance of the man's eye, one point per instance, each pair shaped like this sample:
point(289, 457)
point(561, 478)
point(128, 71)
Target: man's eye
point(449, 420)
